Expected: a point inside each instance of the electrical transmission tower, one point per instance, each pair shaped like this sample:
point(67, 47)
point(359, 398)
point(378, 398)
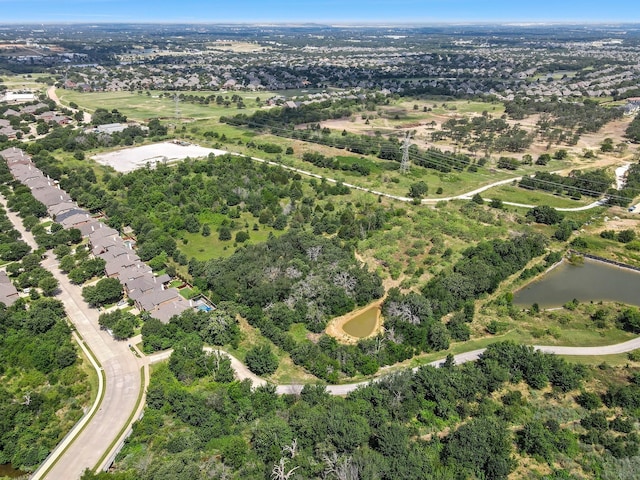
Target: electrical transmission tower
point(404, 165)
point(177, 100)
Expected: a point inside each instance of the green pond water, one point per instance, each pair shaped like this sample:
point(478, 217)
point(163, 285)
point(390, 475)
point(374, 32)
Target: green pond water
point(363, 324)
point(6, 470)
point(592, 281)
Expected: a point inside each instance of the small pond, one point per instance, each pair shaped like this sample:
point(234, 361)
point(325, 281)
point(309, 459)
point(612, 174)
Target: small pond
point(6, 470)
point(592, 281)
point(363, 324)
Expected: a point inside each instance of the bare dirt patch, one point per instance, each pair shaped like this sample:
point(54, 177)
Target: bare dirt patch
point(618, 224)
point(614, 130)
point(335, 326)
point(128, 159)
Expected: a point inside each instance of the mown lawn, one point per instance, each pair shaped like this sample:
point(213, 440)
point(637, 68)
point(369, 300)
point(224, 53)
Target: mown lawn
point(142, 107)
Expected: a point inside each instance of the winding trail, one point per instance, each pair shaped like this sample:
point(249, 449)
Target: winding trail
point(243, 373)
point(424, 201)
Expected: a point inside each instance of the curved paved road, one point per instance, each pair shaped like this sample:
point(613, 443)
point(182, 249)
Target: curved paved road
point(51, 93)
point(122, 368)
point(122, 371)
point(243, 373)
point(425, 201)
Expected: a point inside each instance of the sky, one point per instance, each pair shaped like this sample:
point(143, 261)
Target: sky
point(325, 11)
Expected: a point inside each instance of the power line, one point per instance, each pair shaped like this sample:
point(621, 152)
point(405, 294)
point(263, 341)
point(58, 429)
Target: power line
point(404, 164)
point(433, 157)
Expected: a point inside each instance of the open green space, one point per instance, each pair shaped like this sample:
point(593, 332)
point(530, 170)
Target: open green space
point(26, 81)
point(140, 106)
point(572, 337)
point(453, 106)
point(516, 194)
point(195, 245)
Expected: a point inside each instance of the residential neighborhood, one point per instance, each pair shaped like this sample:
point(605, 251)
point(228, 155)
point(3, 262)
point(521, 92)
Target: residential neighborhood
point(149, 292)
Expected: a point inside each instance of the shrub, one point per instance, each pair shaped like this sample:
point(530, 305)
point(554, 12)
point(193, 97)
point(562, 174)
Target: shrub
point(261, 360)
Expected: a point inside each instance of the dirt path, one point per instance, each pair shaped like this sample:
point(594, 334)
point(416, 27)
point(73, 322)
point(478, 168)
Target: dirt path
point(51, 93)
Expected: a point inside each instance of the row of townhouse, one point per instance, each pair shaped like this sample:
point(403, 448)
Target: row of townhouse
point(149, 292)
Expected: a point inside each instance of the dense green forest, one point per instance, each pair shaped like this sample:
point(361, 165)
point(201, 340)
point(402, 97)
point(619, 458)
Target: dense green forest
point(302, 279)
point(485, 133)
point(229, 195)
point(314, 277)
point(11, 245)
point(512, 408)
point(43, 388)
point(633, 130)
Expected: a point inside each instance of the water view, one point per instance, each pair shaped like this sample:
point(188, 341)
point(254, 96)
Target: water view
point(6, 470)
point(363, 324)
point(592, 281)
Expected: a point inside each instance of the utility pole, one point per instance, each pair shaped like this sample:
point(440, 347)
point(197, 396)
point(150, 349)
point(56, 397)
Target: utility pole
point(177, 100)
point(404, 165)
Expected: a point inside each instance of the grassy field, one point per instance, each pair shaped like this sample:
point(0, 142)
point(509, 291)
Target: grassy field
point(287, 371)
point(24, 82)
point(518, 336)
point(618, 360)
point(461, 106)
point(205, 248)
point(383, 177)
point(534, 197)
point(92, 377)
point(137, 106)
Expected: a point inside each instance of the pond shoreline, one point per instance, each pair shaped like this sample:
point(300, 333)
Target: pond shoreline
point(597, 279)
point(335, 326)
point(606, 260)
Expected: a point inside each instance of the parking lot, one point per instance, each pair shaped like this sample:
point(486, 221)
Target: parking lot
point(129, 159)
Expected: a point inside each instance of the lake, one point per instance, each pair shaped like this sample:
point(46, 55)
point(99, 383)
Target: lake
point(592, 281)
point(363, 324)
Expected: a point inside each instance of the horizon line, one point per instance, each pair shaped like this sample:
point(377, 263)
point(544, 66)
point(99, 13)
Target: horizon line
point(331, 23)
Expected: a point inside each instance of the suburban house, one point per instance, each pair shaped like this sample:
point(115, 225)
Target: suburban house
point(103, 244)
point(165, 311)
point(58, 208)
point(74, 219)
point(134, 272)
point(137, 287)
point(147, 291)
point(152, 300)
point(62, 216)
point(14, 156)
point(8, 293)
point(102, 231)
point(9, 132)
point(115, 265)
point(24, 172)
point(51, 196)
